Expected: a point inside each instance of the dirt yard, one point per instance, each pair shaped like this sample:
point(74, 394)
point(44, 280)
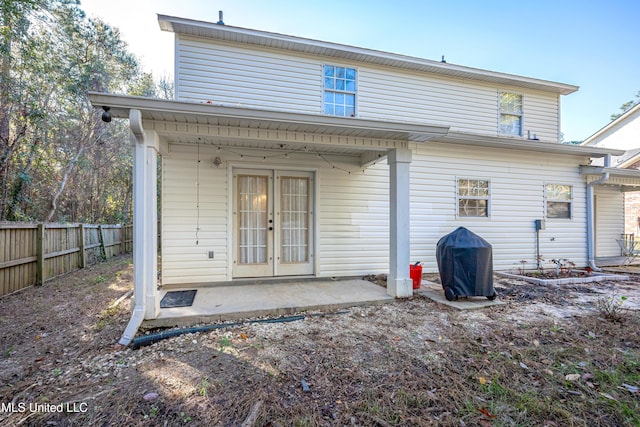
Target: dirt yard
point(550, 356)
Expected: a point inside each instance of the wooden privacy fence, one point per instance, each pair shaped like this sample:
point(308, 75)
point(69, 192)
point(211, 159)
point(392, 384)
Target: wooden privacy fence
point(30, 254)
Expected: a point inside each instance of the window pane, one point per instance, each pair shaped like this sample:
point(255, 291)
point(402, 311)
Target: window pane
point(472, 207)
point(339, 110)
point(351, 86)
point(510, 125)
point(350, 112)
point(510, 103)
point(328, 109)
point(339, 99)
point(339, 84)
point(350, 100)
point(350, 74)
point(328, 71)
point(340, 72)
point(558, 210)
point(558, 192)
point(328, 83)
point(329, 97)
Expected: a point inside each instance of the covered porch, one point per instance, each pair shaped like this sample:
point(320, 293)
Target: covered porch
point(158, 126)
point(609, 243)
point(256, 298)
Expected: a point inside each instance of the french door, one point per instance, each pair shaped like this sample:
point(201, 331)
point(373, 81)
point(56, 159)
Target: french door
point(272, 223)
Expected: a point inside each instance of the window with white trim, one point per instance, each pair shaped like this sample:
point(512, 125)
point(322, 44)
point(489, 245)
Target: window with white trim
point(510, 114)
point(339, 98)
point(558, 198)
point(474, 197)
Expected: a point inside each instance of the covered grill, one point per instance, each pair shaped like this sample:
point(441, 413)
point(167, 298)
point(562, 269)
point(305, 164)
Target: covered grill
point(465, 263)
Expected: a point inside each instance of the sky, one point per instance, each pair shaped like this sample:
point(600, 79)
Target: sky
point(593, 44)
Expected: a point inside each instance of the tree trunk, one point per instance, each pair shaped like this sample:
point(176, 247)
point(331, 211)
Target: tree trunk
point(63, 183)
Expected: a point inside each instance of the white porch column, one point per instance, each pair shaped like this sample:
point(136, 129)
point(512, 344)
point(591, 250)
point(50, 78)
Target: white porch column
point(145, 217)
point(399, 283)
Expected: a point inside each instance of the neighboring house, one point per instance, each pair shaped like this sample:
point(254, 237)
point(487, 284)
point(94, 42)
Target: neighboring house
point(617, 207)
point(284, 156)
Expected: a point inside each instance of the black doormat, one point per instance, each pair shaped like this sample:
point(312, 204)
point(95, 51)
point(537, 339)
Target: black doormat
point(178, 299)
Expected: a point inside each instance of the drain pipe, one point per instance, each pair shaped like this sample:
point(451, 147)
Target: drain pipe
point(591, 215)
point(139, 308)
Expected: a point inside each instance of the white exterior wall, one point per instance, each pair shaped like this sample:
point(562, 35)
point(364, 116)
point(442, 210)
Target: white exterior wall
point(623, 136)
point(351, 209)
point(269, 79)
point(353, 214)
point(609, 217)
point(517, 182)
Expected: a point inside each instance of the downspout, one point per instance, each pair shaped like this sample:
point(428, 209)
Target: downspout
point(591, 215)
point(138, 312)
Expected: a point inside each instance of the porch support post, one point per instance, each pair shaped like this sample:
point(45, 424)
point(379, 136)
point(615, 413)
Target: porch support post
point(399, 284)
point(145, 216)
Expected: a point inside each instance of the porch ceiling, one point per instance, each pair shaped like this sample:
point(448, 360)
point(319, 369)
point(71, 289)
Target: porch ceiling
point(176, 113)
point(626, 179)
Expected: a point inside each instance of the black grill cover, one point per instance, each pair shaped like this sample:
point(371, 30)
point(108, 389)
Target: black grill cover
point(465, 263)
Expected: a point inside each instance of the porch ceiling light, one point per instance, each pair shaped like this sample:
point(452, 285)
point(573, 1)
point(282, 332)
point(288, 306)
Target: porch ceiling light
point(106, 115)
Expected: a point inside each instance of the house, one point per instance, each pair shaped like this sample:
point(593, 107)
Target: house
point(617, 200)
point(284, 156)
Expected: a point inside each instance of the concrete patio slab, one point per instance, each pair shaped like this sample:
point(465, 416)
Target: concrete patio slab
point(434, 292)
point(242, 301)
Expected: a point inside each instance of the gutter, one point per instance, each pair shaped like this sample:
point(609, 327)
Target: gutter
point(591, 215)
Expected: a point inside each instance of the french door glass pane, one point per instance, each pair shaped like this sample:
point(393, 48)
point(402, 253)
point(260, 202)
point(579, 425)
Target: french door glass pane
point(252, 210)
point(294, 211)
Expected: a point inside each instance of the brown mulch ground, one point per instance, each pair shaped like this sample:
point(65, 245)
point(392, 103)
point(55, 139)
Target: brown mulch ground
point(551, 356)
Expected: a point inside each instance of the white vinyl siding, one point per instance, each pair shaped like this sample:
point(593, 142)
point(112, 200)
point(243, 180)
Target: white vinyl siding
point(353, 219)
point(609, 222)
point(353, 210)
point(517, 200)
point(236, 75)
point(221, 74)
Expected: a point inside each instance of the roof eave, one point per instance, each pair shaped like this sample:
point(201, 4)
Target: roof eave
point(520, 144)
point(121, 105)
point(267, 39)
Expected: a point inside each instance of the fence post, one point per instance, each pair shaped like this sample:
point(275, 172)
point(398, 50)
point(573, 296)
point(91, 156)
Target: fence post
point(40, 255)
point(83, 256)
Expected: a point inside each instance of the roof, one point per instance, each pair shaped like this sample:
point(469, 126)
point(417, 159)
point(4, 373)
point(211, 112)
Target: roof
point(228, 33)
point(611, 126)
point(216, 115)
point(629, 179)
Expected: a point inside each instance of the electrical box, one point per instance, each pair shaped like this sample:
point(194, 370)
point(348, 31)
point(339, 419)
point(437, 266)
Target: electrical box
point(539, 223)
point(211, 254)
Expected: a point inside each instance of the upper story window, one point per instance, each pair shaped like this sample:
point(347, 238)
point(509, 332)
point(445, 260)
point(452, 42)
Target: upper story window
point(339, 91)
point(510, 114)
point(473, 197)
point(558, 198)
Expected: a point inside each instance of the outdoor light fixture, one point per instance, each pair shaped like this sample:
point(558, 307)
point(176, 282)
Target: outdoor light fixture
point(106, 116)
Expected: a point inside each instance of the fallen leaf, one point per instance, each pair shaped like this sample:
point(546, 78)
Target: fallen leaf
point(536, 343)
point(523, 366)
point(482, 380)
point(486, 413)
point(572, 377)
point(243, 336)
point(608, 396)
point(587, 376)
